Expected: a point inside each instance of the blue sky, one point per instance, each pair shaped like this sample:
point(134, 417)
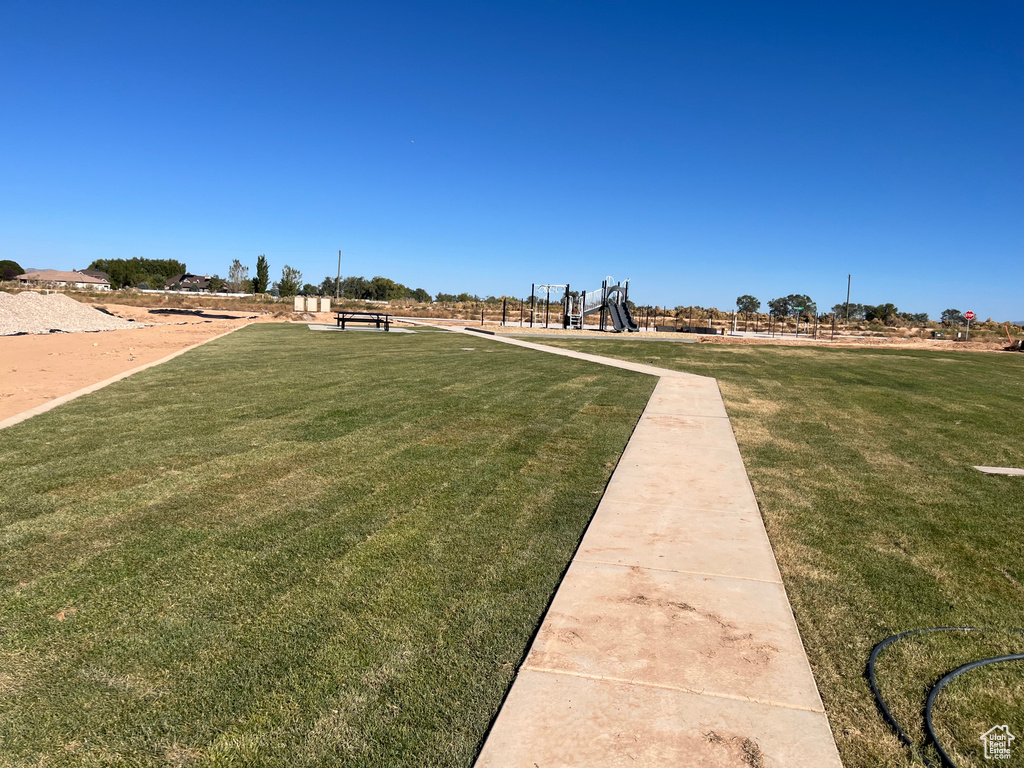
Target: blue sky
point(704, 150)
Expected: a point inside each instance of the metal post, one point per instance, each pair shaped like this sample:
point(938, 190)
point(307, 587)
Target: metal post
point(547, 307)
point(337, 282)
point(522, 302)
point(848, 279)
point(565, 307)
point(833, 327)
point(815, 325)
point(689, 323)
point(533, 302)
point(504, 303)
point(481, 315)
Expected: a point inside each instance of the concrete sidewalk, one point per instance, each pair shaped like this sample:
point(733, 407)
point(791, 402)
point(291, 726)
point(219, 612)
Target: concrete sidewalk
point(670, 641)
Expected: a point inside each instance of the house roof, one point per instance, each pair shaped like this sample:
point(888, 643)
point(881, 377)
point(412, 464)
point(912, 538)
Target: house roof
point(59, 276)
point(94, 273)
point(189, 279)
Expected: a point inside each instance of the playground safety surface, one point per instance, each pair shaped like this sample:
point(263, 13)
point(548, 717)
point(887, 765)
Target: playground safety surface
point(671, 640)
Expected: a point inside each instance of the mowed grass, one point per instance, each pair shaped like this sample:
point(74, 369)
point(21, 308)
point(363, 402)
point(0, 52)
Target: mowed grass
point(862, 464)
point(289, 548)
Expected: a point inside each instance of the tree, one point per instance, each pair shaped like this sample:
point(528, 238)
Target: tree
point(238, 276)
point(216, 284)
point(10, 269)
point(885, 313)
point(780, 307)
point(383, 289)
point(131, 272)
point(804, 302)
point(856, 311)
point(326, 287)
point(290, 281)
point(747, 304)
point(445, 298)
point(914, 317)
point(421, 296)
point(953, 317)
point(355, 287)
point(262, 279)
point(310, 290)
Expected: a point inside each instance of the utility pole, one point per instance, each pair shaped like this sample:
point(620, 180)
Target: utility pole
point(337, 282)
point(848, 278)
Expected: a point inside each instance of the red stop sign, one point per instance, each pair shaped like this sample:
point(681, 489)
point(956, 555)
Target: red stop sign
point(969, 315)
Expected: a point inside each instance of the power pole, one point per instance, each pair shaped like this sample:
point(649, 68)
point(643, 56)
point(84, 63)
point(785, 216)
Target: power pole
point(337, 282)
point(848, 277)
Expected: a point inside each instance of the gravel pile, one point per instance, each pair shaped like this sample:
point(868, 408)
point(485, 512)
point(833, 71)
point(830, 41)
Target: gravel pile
point(30, 312)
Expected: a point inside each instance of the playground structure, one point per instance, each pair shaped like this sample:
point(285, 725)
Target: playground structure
point(610, 302)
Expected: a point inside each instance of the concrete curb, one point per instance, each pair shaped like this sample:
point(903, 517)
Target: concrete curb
point(17, 418)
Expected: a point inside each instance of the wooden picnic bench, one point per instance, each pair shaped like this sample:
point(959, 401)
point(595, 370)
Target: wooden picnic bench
point(378, 318)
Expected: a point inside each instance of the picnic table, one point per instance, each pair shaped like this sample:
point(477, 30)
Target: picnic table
point(378, 318)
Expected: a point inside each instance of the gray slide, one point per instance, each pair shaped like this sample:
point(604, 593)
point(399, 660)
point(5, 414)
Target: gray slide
point(627, 317)
point(621, 319)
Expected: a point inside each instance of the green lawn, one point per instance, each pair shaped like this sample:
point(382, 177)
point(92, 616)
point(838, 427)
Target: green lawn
point(289, 548)
point(861, 462)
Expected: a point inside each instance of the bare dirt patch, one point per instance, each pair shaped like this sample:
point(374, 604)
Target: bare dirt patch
point(35, 369)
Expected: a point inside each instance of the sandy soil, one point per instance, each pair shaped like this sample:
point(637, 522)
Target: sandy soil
point(36, 369)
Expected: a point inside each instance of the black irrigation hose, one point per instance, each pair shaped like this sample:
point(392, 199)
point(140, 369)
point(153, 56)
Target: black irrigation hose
point(930, 732)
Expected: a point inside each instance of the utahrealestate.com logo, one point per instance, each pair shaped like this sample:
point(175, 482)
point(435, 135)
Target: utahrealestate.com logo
point(997, 742)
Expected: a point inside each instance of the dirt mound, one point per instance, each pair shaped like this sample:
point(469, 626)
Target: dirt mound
point(30, 312)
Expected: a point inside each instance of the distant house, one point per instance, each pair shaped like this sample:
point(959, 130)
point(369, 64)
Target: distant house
point(55, 278)
point(94, 273)
point(187, 282)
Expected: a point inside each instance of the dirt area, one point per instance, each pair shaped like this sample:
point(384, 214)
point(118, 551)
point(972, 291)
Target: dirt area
point(890, 342)
point(35, 369)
